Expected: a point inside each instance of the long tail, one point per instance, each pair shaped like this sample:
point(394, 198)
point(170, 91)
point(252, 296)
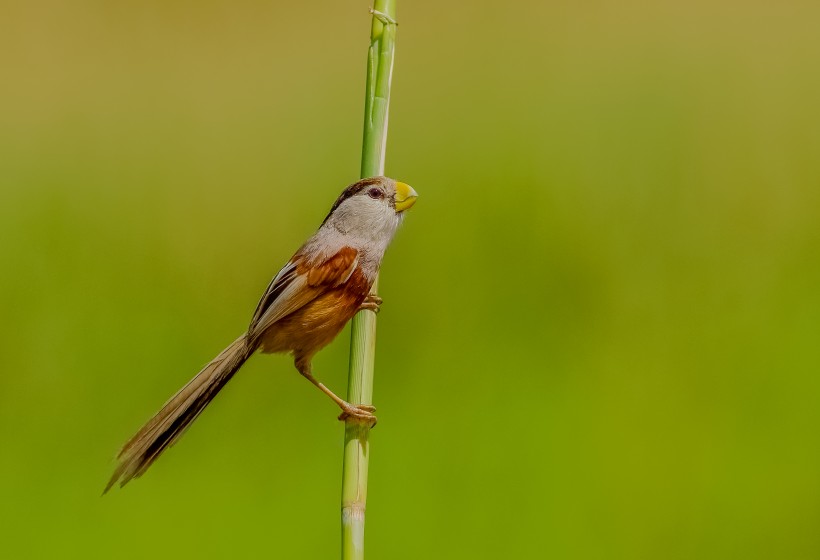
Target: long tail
point(167, 425)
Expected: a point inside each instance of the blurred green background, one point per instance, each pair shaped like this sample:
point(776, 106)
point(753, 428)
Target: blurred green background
point(600, 335)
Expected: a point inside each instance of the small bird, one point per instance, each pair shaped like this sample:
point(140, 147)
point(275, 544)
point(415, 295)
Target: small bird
point(306, 305)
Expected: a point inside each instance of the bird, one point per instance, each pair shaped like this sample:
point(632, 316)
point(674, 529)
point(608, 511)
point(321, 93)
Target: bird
point(323, 285)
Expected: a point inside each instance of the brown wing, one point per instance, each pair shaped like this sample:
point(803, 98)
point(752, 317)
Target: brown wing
point(333, 271)
point(300, 282)
point(282, 280)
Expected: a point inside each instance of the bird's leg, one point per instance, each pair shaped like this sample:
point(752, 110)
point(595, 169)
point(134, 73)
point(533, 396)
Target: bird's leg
point(371, 302)
point(359, 412)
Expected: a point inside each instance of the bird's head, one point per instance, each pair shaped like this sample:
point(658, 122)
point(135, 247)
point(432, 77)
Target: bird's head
point(371, 208)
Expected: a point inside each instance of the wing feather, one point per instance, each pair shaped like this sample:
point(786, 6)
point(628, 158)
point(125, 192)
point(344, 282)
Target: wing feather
point(300, 282)
point(334, 271)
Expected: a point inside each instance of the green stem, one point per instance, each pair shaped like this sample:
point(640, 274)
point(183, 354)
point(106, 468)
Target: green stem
point(363, 332)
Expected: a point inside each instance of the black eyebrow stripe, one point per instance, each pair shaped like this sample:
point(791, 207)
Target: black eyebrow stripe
point(353, 190)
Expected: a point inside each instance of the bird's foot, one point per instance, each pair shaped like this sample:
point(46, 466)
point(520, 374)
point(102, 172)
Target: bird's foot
point(372, 302)
point(362, 413)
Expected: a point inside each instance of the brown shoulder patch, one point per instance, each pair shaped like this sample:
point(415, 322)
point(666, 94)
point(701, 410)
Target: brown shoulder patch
point(332, 271)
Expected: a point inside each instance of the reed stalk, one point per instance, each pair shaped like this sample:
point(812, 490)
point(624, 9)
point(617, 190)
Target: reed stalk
point(363, 331)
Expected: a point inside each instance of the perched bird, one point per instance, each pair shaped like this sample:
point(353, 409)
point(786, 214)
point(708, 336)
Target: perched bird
point(305, 306)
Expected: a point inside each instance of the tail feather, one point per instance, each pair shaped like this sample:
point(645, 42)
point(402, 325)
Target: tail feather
point(167, 425)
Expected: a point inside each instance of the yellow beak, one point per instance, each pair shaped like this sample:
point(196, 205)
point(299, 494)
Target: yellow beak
point(405, 196)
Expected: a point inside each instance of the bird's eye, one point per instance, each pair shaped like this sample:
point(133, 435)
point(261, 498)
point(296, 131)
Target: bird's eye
point(375, 193)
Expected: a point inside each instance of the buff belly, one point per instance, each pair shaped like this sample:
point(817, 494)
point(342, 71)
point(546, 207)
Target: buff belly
point(314, 326)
